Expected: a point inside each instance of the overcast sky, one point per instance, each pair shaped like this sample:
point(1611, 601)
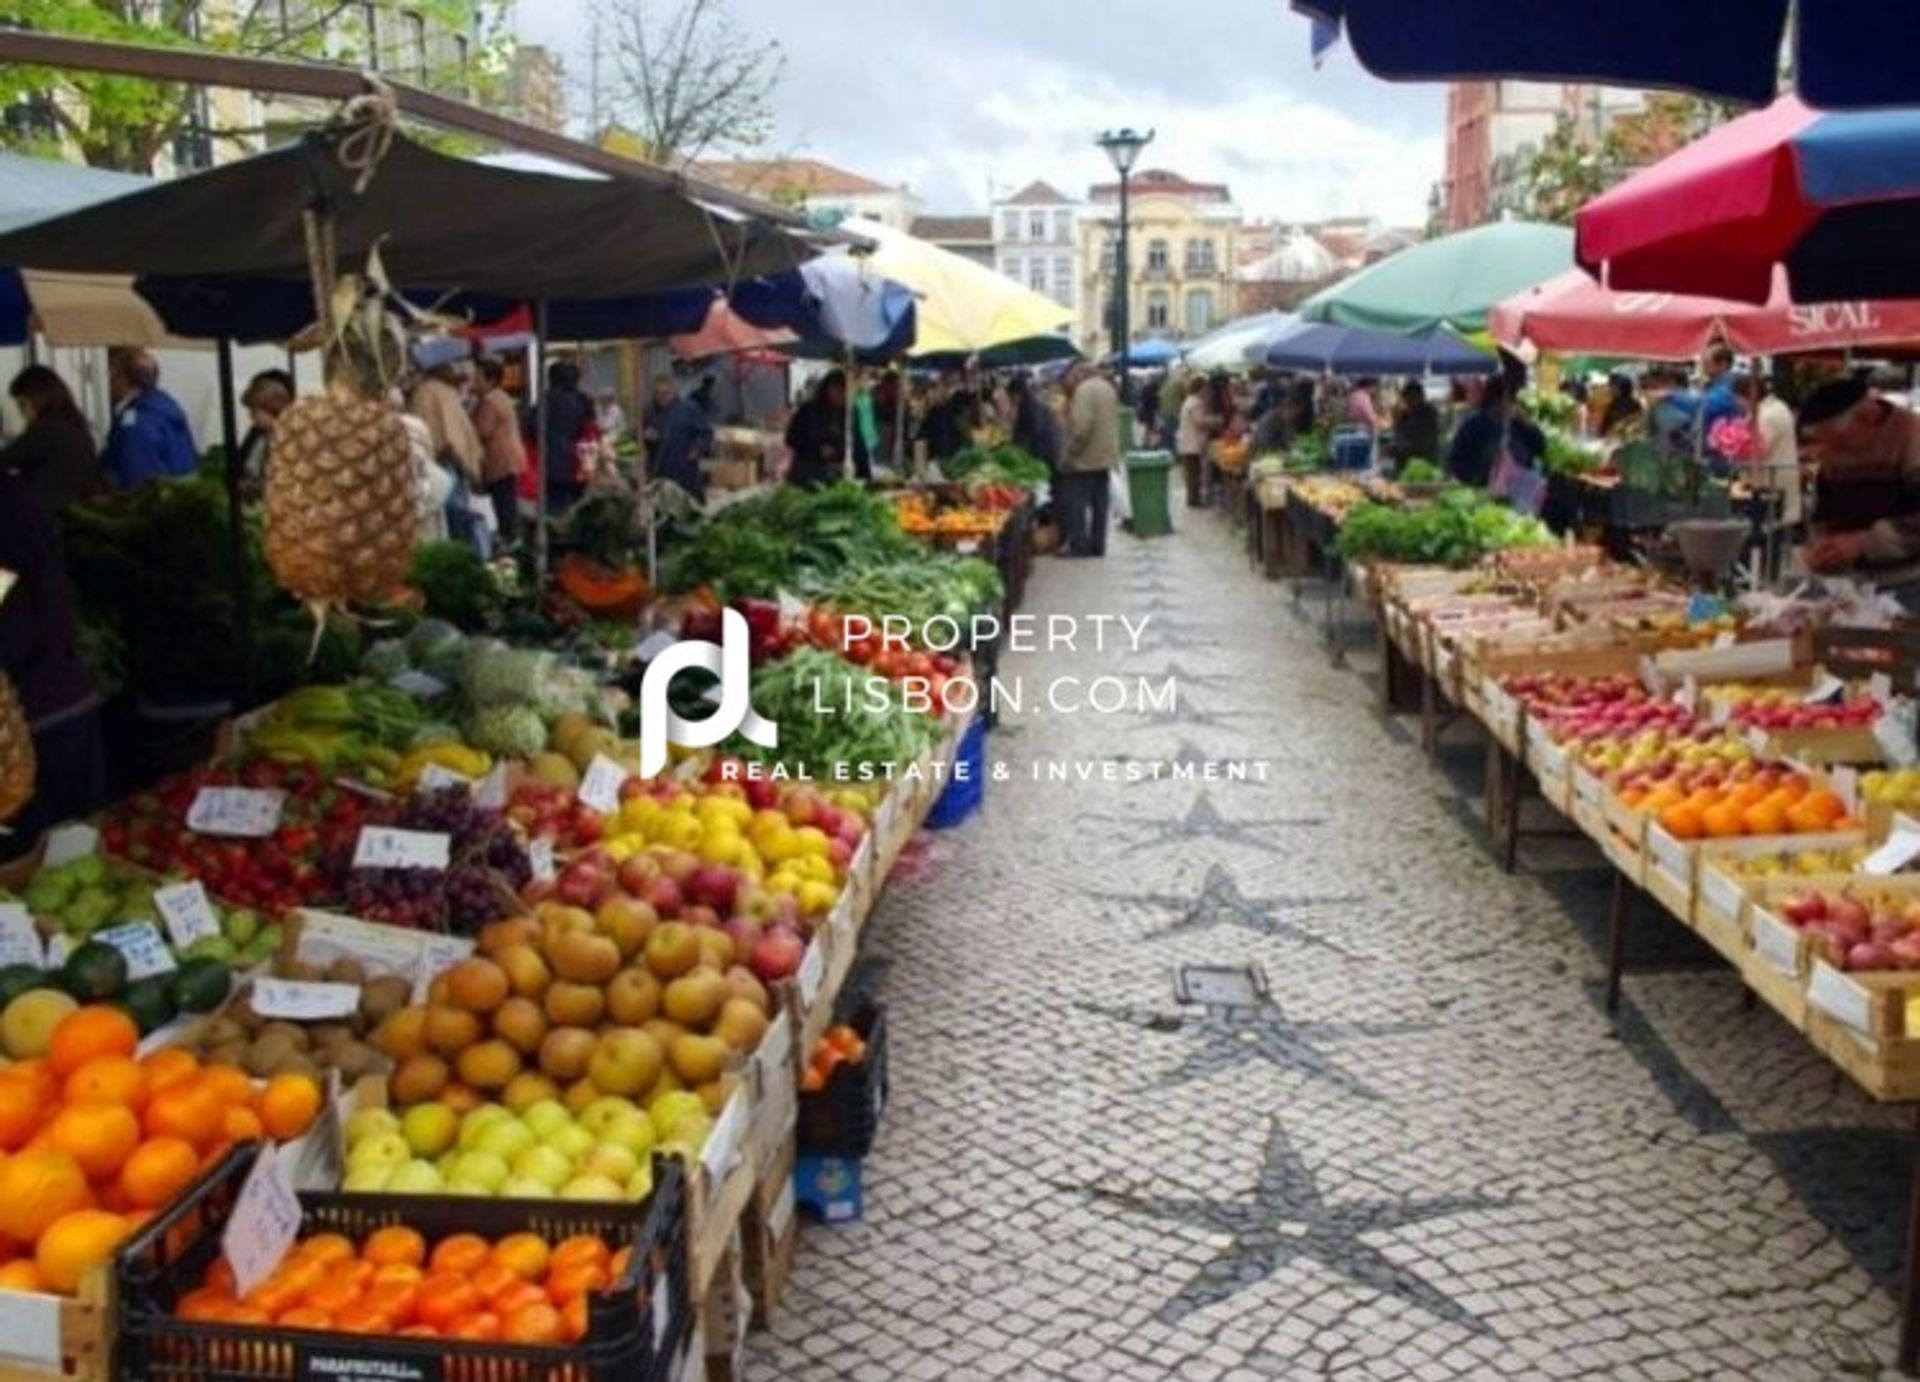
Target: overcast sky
point(954, 97)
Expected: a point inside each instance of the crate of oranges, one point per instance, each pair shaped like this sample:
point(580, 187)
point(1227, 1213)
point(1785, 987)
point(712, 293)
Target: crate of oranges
point(453, 1288)
point(843, 1089)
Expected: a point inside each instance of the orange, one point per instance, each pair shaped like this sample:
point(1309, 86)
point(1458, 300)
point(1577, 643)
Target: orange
point(1722, 821)
point(305, 1317)
point(617, 1269)
point(326, 1247)
point(1632, 798)
point(517, 1296)
point(95, 1030)
point(22, 1275)
point(207, 1303)
point(331, 1294)
point(1747, 793)
point(362, 1317)
point(220, 1275)
point(276, 1295)
point(108, 1080)
point(464, 1253)
point(526, 1254)
point(484, 1326)
point(398, 1274)
point(99, 1136)
point(397, 1300)
point(228, 1083)
point(288, 1106)
point(1683, 822)
point(22, 1110)
point(190, 1109)
point(248, 1314)
point(38, 1075)
point(491, 1278)
point(582, 1247)
point(169, 1065)
point(574, 1315)
point(240, 1124)
point(534, 1324)
point(1823, 806)
point(76, 1243)
point(37, 1187)
point(395, 1243)
point(576, 1279)
point(359, 1271)
point(445, 1299)
point(1663, 796)
point(159, 1169)
point(1766, 817)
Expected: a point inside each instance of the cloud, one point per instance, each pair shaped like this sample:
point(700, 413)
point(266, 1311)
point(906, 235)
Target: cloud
point(957, 99)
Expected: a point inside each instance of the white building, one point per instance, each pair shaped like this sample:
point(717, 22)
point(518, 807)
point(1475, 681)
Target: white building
point(1036, 242)
point(818, 188)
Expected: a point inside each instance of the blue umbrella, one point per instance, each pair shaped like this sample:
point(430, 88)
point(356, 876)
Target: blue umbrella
point(831, 300)
point(1847, 53)
point(1152, 353)
point(1353, 350)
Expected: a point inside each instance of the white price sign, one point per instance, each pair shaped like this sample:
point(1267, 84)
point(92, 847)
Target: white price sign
point(813, 968)
point(1902, 848)
point(65, 843)
point(491, 794)
point(187, 912)
point(19, 941)
point(244, 812)
point(264, 1225)
point(385, 847)
point(722, 1149)
point(437, 954)
point(419, 685)
point(299, 1001)
point(143, 945)
point(434, 777)
point(1827, 688)
point(540, 856)
point(600, 788)
point(1894, 732)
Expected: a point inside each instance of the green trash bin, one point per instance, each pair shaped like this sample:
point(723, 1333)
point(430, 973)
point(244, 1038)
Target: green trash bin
point(1148, 474)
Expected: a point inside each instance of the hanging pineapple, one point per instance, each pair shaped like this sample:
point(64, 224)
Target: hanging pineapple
point(16, 753)
point(342, 506)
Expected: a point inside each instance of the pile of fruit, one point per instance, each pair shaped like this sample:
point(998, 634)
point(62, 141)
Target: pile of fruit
point(1899, 788)
point(1859, 929)
point(839, 1045)
point(521, 1289)
point(1774, 709)
point(357, 731)
point(554, 813)
point(73, 901)
point(96, 972)
point(1548, 695)
point(268, 1044)
point(1769, 801)
point(1797, 863)
point(921, 517)
point(96, 1140)
point(488, 866)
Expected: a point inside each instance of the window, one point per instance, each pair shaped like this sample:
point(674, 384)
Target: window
point(1010, 225)
point(1199, 311)
point(1158, 310)
point(370, 18)
point(1157, 255)
point(1063, 280)
point(1037, 225)
point(1015, 268)
point(413, 57)
point(1037, 273)
point(1063, 226)
point(1199, 256)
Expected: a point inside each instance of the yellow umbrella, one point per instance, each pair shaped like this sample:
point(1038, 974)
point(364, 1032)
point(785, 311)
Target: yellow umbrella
point(962, 307)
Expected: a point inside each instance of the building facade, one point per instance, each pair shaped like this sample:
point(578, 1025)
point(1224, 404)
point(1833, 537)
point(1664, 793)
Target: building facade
point(1184, 255)
point(1491, 125)
point(537, 88)
point(969, 236)
point(818, 188)
point(1036, 242)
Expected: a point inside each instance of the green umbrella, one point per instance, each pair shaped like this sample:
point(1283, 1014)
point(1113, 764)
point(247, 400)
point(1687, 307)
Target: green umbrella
point(1452, 282)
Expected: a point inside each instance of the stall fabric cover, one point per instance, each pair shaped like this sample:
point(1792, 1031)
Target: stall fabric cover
point(1452, 282)
point(32, 189)
point(1575, 314)
point(1352, 351)
point(1833, 198)
point(1225, 347)
point(1848, 54)
point(441, 223)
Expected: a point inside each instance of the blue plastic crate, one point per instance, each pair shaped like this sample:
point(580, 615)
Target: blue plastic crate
point(967, 786)
point(829, 1186)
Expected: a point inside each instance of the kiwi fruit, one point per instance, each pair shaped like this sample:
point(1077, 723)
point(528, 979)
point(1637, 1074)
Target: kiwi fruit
point(346, 970)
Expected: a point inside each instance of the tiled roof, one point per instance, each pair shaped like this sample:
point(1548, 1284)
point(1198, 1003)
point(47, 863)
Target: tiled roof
point(1039, 194)
point(765, 176)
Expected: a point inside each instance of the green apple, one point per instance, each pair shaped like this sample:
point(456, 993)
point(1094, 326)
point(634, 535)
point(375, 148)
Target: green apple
point(602, 1111)
point(572, 1142)
point(546, 1117)
point(480, 1168)
point(634, 1132)
point(365, 1122)
point(592, 1188)
point(640, 1185)
point(466, 1187)
point(416, 1178)
point(548, 1165)
point(384, 1150)
point(367, 1180)
point(506, 1139)
point(612, 1161)
point(689, 1135)
point(525, 1188)
point(478, 1121)
point(430, 1129)
point(668, 1110)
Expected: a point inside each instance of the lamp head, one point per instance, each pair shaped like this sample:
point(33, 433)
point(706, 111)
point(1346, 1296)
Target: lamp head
point(1123, 146)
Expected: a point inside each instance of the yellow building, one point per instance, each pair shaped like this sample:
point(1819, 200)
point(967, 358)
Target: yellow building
point(1184, 248)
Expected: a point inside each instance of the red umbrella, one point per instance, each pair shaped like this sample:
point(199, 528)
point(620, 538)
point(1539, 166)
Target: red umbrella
point(726, 331)
point(1574, 313)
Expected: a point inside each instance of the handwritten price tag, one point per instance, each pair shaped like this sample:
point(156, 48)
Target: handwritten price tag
point(143, 945)
point(491, 794)
point(540, 856)
point(600, 788)
point(385, 847)
point(265, 1222)
point(437, 954)
point(188, 913)
point(65, 843)
point(434, 777)
point(419, 685)
point(300, 1001)
point(244, 812)
point(19, 941)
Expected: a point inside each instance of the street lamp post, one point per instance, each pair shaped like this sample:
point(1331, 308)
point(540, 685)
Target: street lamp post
point(1123, 146)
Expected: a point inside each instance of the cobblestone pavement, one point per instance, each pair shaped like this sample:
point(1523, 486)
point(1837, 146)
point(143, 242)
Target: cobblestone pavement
point(1425, 1155)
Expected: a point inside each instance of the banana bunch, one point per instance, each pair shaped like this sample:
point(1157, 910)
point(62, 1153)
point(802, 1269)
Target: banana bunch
point(452, 756)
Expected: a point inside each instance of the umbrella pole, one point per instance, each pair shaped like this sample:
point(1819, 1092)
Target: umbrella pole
point(537, 355)
point(900, 421)
point(846, 461)
point(236, 523)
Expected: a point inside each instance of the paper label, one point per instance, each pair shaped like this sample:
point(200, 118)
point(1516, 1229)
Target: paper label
point(1846, 786)
point(30, 1329)
point(1688, 696)
point(326, 937)
point(813, 969)
point(65, 843)
point(384, 847)
point(1880, 687)
point(1675, 855)
point(722, 1151)
point(540, 856)
point(1722, 892)
point(600, 788)
point(491, 794)
point(299, 1001)
point(1840, 998)
point(59, 946)
point(143, 945)
point(1894, 733)
point(437, 955)
point(20, 942)
point(1719, 711)
point(188, 913)
point(1901, 849)
point(1777, 943)
point(1826, 689)
point(654, 645)
point(419, 685)
point(435, 777)
point(264, 1225)
point(248, 813)
point(1724, 639)
point(1757, 740)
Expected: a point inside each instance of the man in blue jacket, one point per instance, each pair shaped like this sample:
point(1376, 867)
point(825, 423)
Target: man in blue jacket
point(150, 438)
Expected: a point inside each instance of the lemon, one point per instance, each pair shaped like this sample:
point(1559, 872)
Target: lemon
point(816, 899)
point(812, 841)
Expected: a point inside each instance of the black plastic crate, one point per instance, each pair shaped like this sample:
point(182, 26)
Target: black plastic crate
point(635, 1331)
point(844, 1118)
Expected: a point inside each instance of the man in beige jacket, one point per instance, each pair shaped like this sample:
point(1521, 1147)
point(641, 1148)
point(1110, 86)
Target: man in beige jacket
point(1087, 461)
point(436, 401)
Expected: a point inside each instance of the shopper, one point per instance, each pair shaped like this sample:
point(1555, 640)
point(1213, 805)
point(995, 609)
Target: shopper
point(571, 444)
point(1416, 426)
point(268, 395)
point(436, 400)
point(1867, 502)
point(609, 416)
point(948, 428)
point(1086, 466)
point(1481, 437)
point(1625, 414)
point(40, 653)
point(55, 451)
point(1197, 426)
point(677, 436)
point(149, 438)
point(817, 437)
point(1362, 411)
point(503, 450)
point(1036, 430)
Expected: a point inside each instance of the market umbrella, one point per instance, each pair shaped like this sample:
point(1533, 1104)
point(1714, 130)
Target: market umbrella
point(1151, 353)
point(69, 307)
point(1575, 313)
point(1847, 53)
point(1349, 350)
point(1451, 282)
point(1834, 198)
point(1225, 348)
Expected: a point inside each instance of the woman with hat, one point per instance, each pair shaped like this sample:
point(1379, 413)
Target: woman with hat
point(1867, 501)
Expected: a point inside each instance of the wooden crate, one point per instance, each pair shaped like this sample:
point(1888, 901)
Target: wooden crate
point(769, 1233)
point(1552, 767)
point(1625, 842)
point(1774, 963)
point(1859, 1022)
point(45, 1338)
point(1502, 713)
point(1852, 745)
point(720, 1185)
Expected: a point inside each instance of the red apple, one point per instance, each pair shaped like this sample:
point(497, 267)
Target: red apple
point(637, 871)
point(715, 886)
point(665, 895)
point(777, 955)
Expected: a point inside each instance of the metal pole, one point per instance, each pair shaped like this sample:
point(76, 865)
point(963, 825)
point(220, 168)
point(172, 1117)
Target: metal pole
point(538, 359)
point(900, 420)
point(1123, 328)
point(236, 523)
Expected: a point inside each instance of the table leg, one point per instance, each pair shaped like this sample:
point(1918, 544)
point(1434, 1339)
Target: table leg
point(1619, 917)
point(1515, 796)
point(1909, 1354)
